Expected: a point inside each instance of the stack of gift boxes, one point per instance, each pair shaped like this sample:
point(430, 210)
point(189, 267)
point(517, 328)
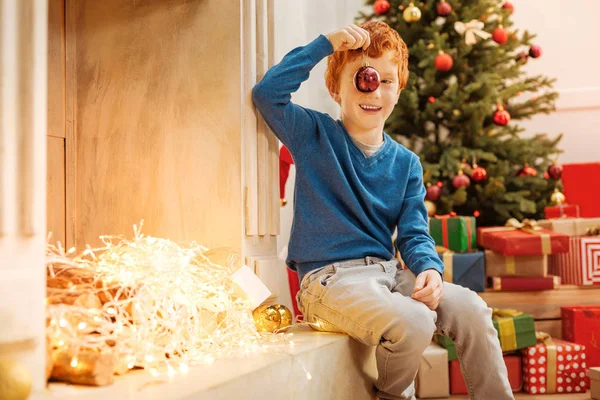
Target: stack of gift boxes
point(525, 255)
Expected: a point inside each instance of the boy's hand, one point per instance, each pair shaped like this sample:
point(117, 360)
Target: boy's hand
point(349, 38)
point(429, 288)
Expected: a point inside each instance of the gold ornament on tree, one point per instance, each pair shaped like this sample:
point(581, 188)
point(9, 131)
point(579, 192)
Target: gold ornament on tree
point(15, 380)
point(557, 197)
point(270, 317)
point(411, 13)
point(431, 209)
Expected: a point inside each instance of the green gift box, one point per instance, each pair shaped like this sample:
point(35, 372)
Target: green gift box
point(446, 343)
point(516, 330)
point(458, 234)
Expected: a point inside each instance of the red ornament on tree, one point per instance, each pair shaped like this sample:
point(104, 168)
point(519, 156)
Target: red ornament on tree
point(366, 79)
point(527, 171)
point(535, 51)
point(555, 171)
point(433, 193)
point(509, 6)
point(432, 99)
point(443, 8)
point(479, 174)
point(500, 35)
point(443, 62)
point(501, 116)
point(461, 180)
point(522, 57)
point(381, 7)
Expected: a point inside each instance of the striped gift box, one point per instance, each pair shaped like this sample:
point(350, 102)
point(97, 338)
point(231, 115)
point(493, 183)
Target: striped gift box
point(581, 265)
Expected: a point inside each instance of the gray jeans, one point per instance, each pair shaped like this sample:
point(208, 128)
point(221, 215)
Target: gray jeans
point(369, 299)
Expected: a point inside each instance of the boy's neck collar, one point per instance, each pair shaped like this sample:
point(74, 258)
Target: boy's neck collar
point(367, 138)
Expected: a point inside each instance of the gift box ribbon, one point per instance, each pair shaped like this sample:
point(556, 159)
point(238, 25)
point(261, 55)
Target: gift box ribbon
point(529, 226)
point(551, 357)
point(593, 231)
point(506, 327)
point(447, 259)
point(444, 219)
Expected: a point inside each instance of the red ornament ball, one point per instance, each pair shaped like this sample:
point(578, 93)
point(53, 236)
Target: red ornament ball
point(535, 51)
point(501, 117)
point(527, 171)
point(522, 57)
point(479, 174)
point(509, 6)
point(476, 213)
point(432, 99)
point(439, 184)
point(461, 180)
point(443, 62)
point(443, 8)
point(381, 7)
point(555, 171)
point(500, 35)
point(433, 193)
point(366, 79)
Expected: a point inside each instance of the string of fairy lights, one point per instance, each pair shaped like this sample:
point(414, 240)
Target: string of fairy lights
point(153, 303)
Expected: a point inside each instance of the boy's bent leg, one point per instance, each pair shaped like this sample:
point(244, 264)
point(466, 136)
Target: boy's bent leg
point(463, 316)
point(467, 320)
point(359, 302)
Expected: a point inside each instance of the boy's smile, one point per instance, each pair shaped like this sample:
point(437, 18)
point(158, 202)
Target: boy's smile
point(364, 114)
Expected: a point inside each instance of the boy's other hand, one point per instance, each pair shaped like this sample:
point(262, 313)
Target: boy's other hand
point(429, 288)
point(349, 38)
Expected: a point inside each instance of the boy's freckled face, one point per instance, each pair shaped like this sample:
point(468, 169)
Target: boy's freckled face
point(368, 111)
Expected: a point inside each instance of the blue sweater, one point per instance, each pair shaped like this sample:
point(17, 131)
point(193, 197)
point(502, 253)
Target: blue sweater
point(346, 206)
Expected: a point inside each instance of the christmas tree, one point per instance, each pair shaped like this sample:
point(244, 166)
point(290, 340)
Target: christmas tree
point(466, 90)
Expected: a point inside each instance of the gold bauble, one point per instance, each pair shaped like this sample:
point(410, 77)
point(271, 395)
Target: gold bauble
point(282, 202)
point(430, 205)
point(286, 315)
point(411, 13)
point(15, 380)
point(266, 318)
point(557, 197)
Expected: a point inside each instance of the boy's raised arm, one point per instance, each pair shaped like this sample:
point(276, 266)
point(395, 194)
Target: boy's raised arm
point(293, 124)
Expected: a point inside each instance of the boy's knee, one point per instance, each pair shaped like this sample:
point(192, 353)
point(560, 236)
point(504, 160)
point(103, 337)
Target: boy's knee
point(473, 308)
point(417, 326)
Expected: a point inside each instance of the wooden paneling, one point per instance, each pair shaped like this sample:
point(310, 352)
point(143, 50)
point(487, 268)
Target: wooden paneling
point(56, 68)
point(553, 327)
point(543, 304)
point(55, 206)
point(156, 93)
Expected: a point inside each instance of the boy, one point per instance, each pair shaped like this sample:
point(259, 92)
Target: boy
point(354, 186)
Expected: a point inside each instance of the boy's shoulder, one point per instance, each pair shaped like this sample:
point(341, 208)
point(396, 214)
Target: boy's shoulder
point(403, 152)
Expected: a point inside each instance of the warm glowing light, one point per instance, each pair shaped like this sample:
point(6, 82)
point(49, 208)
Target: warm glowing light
point(158, 305)
point(74, 362)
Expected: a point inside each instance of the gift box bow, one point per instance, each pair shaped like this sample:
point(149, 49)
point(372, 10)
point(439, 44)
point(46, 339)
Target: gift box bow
point(593, 231)
point(528, 226)
point(506, 326)
point(551, 356)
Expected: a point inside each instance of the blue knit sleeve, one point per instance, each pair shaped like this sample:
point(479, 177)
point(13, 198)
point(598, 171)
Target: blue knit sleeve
point(416, 246)
point(292, 124)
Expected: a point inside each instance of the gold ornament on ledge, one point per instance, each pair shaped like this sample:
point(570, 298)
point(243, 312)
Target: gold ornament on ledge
point(411, 13)
point(270, 317)
point(282, 202)
point(15, 380)
point(431, 209)
point(557, 197)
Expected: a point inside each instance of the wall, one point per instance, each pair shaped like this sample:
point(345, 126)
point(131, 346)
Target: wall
point(153, 102)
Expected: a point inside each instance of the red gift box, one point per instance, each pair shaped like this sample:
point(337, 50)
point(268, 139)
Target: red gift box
point(513, 364)
point(581, 325)
point(562, 211)
point(522, 242)
point(581, 265)
point(581, 185)
point(525, 282)
point(554, 366)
